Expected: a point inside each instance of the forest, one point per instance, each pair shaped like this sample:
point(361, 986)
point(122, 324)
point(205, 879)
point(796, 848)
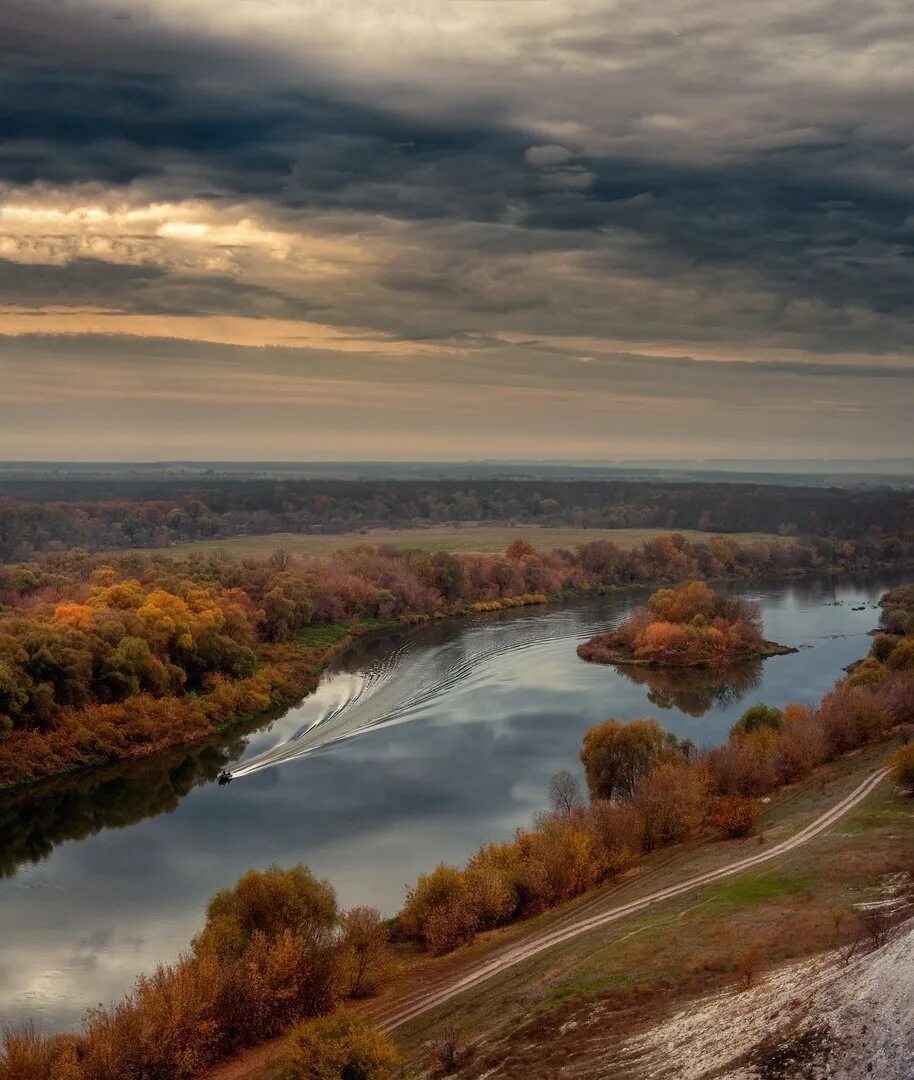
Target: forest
point(42, 515)
point(110, 657)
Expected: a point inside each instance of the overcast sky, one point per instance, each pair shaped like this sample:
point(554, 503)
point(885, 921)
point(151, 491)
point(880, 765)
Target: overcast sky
point(456, 228)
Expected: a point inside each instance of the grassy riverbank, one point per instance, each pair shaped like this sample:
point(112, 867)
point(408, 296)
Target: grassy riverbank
point(635, 968)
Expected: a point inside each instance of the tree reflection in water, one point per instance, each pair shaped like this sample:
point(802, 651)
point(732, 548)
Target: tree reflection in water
point(695, 690)
point(33, 821)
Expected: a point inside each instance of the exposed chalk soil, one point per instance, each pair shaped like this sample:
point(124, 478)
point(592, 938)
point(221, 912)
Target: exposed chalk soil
point(837, 1016)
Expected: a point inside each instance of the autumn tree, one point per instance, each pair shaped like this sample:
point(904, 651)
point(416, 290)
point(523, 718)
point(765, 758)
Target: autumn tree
point(902, 656)
point(757, 716)
point(520, 549)
point(365, 943)
point(735, 815)
point(869, 672)
point(440, 910)
point(444, 572)
point(749, 963)
point(620, 830)
point(615, 755)
point(338, 1047)
point(268, 903)
point(672, 800)
point(683, 603)
point(903, 767)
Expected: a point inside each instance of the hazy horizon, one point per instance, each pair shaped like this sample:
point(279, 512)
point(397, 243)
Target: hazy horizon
point(901, 466)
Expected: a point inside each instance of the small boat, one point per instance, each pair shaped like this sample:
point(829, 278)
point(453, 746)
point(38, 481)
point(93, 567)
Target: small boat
point(225, 777)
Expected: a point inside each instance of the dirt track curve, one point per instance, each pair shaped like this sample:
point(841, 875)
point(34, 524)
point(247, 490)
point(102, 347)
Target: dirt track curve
point(394, 1016)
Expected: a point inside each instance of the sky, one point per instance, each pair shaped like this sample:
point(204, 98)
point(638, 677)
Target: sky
point(454, 229)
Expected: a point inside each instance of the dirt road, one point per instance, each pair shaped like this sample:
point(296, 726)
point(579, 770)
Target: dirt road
point(393, 1014)
point(405, 1010)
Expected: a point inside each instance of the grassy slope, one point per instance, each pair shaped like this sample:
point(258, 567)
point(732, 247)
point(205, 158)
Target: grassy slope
point(469, 537)
point(602, 984)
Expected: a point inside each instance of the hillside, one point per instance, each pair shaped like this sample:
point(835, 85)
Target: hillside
point(829, 1017)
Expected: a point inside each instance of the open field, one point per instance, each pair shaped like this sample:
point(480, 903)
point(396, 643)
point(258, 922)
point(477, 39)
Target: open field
point(469, 537)
point(575, 1001)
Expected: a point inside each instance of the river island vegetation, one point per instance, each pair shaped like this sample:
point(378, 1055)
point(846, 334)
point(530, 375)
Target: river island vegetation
point(688, 625)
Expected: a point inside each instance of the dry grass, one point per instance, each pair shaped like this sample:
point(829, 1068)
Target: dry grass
point(466, 537)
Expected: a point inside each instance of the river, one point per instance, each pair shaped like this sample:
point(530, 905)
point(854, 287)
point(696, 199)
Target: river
point(414, 749)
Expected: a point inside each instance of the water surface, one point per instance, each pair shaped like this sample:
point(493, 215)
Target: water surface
point(414, 749)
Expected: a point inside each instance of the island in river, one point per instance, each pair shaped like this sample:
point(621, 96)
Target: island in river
point(689, 625)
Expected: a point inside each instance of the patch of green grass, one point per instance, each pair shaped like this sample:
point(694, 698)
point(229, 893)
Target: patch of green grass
point(580, 987)
point(322, 637)
point(878, 813)
point(758, 888)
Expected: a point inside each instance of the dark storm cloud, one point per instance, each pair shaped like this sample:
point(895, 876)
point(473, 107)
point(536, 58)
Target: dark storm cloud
point(199, 118)
point(143, 288)
point(795, 218)
point(776, 201)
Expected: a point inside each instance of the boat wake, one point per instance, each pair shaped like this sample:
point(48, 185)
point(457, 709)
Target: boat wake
point(411, 680)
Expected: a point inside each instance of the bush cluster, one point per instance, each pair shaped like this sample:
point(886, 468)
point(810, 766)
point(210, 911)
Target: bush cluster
point(275, 949)
point(893, 648)
point(688, 625)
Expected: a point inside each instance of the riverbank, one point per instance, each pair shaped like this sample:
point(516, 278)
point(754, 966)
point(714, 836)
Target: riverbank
point(576, 1004)
point(575, 1008)
point(284, 677)
point(286, 682)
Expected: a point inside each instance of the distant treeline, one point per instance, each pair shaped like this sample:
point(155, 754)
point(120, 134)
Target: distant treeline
point(37, 516)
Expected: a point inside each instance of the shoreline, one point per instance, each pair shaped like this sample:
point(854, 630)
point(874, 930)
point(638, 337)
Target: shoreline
point(772, 648)
point(318, 664)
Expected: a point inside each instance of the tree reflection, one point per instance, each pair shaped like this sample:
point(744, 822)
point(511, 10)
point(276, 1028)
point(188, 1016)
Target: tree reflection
point(35, 820)
point(696, 690)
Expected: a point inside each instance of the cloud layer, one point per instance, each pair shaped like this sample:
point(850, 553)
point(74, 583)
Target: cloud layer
point(701, 206)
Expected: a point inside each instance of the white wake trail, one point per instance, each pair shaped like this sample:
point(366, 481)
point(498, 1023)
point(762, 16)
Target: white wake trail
point(433, 672)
